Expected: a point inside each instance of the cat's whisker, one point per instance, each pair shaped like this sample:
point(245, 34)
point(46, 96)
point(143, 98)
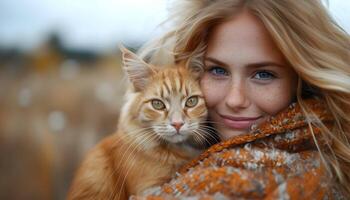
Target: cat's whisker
point(205, 135)
point(130, 140)
point(131, 135)
point(162, 127)
point(197, 137)
point(141, 133)
point(140, 143)
point(138, 132)
point(133, 162)
point(158, 137)
point(162, 130)
point(202, 137)
point(143, 136)
point(152, 137)
point(162, 133)
point(209, 133)
point(193, 127)
point(206, 125)
point(208, 129)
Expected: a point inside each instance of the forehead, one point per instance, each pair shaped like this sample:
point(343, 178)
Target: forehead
point(173, 81)
point(243, 39)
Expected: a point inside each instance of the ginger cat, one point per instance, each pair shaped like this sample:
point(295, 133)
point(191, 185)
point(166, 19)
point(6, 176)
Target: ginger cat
point(162, 126)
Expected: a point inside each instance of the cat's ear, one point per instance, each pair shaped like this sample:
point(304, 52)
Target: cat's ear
point(196, 71)
point(138, 71)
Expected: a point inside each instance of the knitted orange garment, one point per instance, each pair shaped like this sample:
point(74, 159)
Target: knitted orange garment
point(277, 160)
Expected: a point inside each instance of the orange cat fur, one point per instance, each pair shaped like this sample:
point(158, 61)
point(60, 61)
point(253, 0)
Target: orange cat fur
point(162, 126)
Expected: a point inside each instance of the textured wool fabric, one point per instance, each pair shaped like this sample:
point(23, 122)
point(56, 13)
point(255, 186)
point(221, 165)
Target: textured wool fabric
point(276, 160)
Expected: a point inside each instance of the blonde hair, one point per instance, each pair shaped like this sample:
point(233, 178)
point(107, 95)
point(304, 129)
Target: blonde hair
point(311, 41)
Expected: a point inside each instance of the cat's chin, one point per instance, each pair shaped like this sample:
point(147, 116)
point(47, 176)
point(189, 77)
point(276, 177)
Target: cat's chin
point(176, 138)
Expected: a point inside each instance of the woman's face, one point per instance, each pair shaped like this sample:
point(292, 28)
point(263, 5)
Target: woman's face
point(246, 77)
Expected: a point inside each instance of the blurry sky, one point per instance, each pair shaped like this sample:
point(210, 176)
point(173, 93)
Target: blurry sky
point(98, 24)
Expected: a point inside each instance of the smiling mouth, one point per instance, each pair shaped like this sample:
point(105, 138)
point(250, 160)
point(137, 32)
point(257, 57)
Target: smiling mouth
point(239, 122)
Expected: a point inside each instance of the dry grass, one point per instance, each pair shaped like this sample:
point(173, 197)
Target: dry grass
point(48, 121)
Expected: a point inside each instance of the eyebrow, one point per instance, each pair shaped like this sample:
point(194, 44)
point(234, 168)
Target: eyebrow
point(250, 65)
point(213, 60)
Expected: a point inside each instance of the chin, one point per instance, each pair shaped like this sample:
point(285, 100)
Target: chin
point(176, 138)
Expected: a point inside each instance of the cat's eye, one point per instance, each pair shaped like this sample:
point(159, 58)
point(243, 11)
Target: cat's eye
point(192, 101)
point(158, 104)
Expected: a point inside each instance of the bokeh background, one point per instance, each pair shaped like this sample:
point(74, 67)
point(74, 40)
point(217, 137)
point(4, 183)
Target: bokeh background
point(61, 83)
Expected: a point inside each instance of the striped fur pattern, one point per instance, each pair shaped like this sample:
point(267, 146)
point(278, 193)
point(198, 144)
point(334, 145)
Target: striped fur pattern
point(162, 126)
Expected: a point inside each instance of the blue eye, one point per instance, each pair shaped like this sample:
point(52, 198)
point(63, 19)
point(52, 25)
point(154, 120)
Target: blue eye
point(218, 71)
point(264, 75)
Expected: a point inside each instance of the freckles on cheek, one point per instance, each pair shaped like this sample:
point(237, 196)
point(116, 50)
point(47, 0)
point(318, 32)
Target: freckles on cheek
point(272, 100)
point(211, 93)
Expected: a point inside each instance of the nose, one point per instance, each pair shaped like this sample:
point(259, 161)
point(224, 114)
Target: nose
point(177, 125)
point(237, 96)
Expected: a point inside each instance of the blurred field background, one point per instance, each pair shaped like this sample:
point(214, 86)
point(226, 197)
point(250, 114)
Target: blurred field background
point(61, 84)
point(54, 106)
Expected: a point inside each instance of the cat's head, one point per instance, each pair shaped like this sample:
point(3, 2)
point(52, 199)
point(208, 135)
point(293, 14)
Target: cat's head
point(169, 100)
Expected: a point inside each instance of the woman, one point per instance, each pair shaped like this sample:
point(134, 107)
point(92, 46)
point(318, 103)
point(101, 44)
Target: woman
point(276, 79)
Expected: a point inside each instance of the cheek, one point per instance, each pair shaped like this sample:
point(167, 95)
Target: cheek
point(198, 112)
point(212, 94)
point(148, 114)
point(274, 98)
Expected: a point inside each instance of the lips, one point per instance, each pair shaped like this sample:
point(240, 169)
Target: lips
point(238, 122)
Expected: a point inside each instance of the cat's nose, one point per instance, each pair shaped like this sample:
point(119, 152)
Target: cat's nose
point(177, 125)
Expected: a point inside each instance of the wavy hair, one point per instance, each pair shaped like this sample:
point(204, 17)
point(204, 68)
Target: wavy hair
point(313, 44)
